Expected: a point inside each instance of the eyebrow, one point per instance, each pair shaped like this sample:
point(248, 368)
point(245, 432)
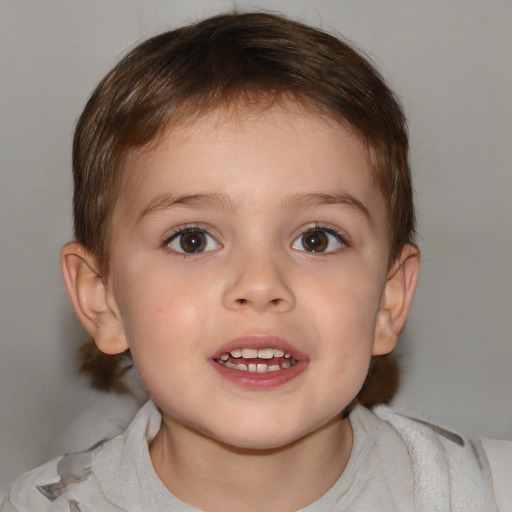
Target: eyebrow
point(224, 202)
point(167, 201)
point(312, 200)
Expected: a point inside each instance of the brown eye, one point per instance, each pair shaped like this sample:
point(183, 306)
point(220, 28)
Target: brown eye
point(315, 241)
point(319, 239)
point(191, 241)
point(194, 241)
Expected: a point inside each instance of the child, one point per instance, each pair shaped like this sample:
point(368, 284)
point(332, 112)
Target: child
point(245, 228)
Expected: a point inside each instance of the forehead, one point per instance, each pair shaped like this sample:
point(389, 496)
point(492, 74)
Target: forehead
point(278, 151)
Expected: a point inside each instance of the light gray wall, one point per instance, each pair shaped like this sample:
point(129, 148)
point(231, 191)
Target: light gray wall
point(450, 63)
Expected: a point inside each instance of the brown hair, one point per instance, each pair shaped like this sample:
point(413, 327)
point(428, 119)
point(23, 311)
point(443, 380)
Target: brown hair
point(254, 58)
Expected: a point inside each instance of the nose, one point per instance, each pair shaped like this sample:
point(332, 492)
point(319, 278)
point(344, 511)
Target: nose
point(260, 283)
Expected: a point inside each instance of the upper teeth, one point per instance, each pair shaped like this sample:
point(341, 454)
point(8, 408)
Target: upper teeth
point(253, 353)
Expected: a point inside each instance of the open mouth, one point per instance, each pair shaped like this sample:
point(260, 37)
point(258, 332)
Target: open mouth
point(257, 360)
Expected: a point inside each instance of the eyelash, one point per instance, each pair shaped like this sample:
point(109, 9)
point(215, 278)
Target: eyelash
point(183, 230)
point(339, 237)
point(193, 228)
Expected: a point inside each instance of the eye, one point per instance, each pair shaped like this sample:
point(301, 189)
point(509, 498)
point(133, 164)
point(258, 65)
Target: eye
point(192, 241)
point(319, 239)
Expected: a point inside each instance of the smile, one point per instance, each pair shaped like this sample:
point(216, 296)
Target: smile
point(257, 360)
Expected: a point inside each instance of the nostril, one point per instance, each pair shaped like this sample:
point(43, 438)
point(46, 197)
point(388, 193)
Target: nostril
point(242, 302)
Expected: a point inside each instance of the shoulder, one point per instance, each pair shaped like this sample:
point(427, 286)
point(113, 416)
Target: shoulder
point(24, 495)
point(61, 484)
point(446, 466)
point(84, 481)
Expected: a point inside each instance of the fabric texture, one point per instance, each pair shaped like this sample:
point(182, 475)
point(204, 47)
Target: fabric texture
point(396, 463)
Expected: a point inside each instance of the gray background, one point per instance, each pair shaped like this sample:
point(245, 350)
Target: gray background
point(449, 61)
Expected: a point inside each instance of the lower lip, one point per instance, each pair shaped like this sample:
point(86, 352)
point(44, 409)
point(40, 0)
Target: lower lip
point(264, 380)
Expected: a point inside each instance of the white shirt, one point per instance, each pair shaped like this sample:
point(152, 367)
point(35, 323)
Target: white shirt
point(396, 464)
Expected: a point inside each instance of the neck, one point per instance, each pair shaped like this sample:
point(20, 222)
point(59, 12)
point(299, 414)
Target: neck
point(215, 477)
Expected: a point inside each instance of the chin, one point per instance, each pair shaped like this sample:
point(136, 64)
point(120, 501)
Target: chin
point(262, 434)
point(262, 442)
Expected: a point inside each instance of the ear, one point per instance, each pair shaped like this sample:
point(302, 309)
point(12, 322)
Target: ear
point(92, 298)
point(396, 299)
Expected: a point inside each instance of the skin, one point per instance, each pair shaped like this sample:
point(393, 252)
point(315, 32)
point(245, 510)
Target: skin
point(255, 182)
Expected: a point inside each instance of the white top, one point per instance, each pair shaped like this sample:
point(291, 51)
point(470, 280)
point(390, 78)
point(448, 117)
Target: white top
point(396, 464)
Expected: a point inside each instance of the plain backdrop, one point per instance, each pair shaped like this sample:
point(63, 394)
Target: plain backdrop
point(451, 64)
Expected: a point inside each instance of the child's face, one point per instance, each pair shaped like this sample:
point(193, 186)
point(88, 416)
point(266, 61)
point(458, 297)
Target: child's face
point(243, 232)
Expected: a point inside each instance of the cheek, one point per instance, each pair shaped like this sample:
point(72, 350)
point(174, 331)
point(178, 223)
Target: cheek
point(346, 305)
point(345, 313)
point(164, 317)
point(158, 294)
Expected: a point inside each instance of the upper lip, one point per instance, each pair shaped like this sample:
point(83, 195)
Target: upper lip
point(260, 341)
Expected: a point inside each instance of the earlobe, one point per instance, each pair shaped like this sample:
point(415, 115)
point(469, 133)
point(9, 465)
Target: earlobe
point(91, 298)
point(396, 300)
